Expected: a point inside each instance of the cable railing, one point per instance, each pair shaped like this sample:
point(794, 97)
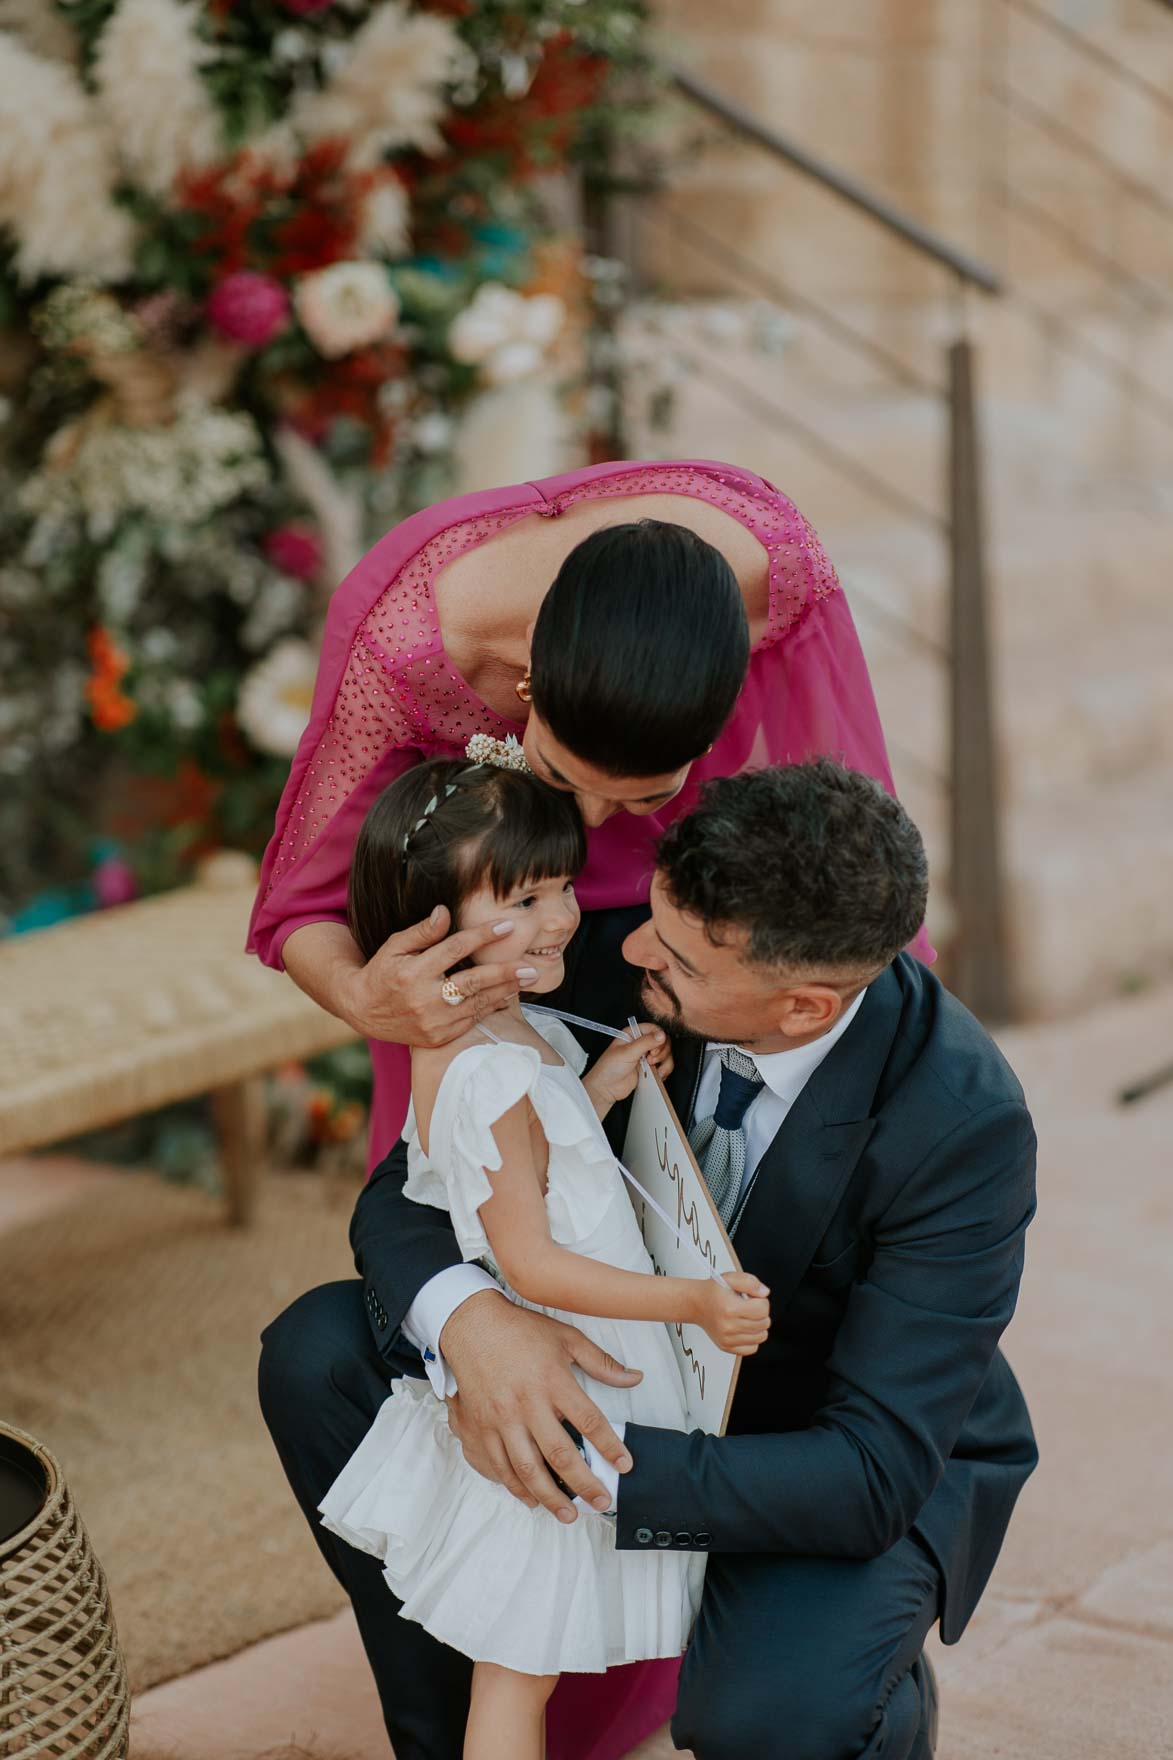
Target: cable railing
point(1055, 129)
point(1091, 51)
point(894, 220)
point(1145, 296)
point(1151, 298)
point(976, 958)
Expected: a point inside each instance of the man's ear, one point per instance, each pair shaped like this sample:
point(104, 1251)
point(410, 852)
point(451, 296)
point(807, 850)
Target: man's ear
point(809, 1009)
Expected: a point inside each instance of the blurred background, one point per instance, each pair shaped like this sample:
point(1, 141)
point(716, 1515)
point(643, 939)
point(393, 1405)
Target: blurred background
point(273, 276)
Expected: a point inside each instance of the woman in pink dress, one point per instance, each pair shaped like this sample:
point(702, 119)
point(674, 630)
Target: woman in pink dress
point(428, 643)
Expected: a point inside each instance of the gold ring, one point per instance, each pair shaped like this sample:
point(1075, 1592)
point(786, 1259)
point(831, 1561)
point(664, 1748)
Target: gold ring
point(451, 992)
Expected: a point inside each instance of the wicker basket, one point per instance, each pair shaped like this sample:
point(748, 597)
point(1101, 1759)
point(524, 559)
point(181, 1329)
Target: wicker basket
point(63, 1686)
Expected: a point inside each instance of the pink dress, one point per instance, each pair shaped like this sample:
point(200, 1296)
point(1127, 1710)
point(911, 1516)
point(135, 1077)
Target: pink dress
point(387, 695)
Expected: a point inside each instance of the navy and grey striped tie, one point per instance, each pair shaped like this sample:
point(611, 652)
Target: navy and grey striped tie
point(719, 1142)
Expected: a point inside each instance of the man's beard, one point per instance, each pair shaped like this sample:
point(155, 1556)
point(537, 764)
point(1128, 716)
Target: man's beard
point(662, 1005)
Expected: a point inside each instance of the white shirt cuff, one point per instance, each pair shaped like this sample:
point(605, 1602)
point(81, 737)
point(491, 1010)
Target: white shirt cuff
point(431, 1311)
point(606, 1473)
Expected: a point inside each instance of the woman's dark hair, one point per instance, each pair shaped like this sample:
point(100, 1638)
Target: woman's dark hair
point(819, 864)
point(640, 649)
point(500, 827)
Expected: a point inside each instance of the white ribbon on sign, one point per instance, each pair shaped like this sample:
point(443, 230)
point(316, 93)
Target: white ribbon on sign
point(578, 1020)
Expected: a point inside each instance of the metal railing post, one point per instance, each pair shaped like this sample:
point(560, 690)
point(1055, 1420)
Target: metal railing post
point(606, 429)
point(978, 963)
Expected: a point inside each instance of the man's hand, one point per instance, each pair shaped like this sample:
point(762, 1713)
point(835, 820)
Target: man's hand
point(513, 1370)
point(396, 995)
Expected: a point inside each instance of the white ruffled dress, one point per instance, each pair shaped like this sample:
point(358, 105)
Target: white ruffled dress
point(471, 1564)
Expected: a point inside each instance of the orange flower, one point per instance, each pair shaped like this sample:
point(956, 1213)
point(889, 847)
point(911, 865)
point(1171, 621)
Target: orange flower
point(110, 707)
point(106, 656)
point(347, 1122)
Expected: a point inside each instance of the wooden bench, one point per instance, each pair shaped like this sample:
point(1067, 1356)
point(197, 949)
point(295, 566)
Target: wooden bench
point(110, 1015)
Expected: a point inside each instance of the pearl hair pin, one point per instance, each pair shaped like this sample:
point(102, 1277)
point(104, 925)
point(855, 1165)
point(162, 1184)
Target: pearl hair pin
point(506, 754)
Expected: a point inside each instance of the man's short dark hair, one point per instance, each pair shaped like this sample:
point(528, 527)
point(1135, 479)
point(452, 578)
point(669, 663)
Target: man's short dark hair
point(820, 866)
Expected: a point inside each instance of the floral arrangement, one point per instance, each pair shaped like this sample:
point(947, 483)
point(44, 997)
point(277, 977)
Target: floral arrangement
point(255, 260)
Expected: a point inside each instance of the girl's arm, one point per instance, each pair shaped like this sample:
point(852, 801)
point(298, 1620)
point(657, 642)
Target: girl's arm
point(554, 1277)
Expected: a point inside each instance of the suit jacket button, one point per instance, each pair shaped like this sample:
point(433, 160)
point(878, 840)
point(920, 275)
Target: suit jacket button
point(643, 1536)
point(702, 1539)
point(663, 1537)
point(683, 1539)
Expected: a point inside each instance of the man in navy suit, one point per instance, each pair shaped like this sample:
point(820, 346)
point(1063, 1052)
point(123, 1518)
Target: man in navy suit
point(874, 1158)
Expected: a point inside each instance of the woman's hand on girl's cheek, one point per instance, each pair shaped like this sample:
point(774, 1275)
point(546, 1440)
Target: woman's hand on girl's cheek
point(398, 995)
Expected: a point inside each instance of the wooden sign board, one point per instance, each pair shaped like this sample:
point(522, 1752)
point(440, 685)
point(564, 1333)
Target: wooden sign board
point(657, 1152)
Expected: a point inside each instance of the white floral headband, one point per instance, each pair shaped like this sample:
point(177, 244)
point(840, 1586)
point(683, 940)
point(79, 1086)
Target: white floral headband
point(504, 754)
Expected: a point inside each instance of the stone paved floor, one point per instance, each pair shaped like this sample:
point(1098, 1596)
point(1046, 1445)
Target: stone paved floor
point(1071, 1654)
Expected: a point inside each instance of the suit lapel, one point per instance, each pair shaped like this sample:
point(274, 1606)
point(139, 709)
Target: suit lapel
point(803, 1174)
point(681, 1084)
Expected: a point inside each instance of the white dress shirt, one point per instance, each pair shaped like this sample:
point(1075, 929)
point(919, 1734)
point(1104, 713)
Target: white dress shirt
point(784, 1075)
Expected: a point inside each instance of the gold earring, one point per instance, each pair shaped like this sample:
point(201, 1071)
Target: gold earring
point(522, 687)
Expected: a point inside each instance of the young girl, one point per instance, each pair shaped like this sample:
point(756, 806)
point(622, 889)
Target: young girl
point(504, 1135)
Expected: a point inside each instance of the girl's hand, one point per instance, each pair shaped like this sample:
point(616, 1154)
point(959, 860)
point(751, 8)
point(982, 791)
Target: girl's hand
point(617, 1071)
point(737, 1319)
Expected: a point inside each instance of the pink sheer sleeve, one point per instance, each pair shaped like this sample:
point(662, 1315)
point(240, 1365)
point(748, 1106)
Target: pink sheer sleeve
point(336, 775)
point(382, 697)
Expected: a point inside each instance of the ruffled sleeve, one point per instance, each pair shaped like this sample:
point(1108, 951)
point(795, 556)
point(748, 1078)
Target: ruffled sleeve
point(478, 1089)
point(559, 1037)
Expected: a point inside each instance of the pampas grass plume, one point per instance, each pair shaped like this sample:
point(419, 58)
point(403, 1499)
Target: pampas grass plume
point(389, 92)
point(149, 86)
point(57, 169)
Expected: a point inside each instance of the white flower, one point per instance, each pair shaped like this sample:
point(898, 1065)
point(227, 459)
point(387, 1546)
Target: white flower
point(159, 645)
point(432, 432)
point(517, 75)
point(275, 698)
point(184, 705)
point(505, 333)
point(383, 224)
point(180, 474)
point(503, 754)
point(40, 28)
point(149, 85)
point(345, 307)
point(276, 607)
point(57, 171)
point(290, 46)
point(512, 361)
point(389, 89)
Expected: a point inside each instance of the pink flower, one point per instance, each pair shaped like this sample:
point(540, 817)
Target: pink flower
point(295, 549)
point(301, 8)
point(249, 308)
point(114, 882)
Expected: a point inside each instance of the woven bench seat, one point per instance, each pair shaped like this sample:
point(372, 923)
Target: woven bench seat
point(110, 1015)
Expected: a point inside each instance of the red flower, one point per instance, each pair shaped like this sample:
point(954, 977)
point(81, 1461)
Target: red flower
point(249, 308)
point(295, 549)
point(286, 221)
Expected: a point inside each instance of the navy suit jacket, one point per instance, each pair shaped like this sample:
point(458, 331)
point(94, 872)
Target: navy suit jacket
point(887, 1218)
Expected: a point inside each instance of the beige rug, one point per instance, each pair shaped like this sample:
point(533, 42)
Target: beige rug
point(129, 1328)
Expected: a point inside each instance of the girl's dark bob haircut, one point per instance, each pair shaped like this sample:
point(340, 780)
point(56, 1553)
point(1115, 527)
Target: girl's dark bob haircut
point(498, 827)
point(640, 649)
